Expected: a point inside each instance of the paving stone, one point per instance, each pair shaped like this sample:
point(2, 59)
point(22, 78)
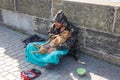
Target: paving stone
point(10, 77)
point(2, 78)
point(4, 73)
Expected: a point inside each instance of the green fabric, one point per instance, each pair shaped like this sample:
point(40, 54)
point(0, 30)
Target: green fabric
point(43, 59)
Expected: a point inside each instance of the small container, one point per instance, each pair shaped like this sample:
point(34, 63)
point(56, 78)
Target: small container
point(81, 71)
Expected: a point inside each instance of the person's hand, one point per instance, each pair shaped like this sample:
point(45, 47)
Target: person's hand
point(51, 49)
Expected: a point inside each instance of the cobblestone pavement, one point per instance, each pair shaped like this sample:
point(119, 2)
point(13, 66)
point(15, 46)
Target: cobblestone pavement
point(12, 62)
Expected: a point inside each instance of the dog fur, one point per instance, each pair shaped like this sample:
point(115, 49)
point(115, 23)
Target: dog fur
point(53, 42)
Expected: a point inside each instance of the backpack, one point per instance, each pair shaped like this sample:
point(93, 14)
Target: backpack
point(32, 38)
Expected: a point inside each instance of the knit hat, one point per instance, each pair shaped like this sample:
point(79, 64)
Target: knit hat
point(61, 18)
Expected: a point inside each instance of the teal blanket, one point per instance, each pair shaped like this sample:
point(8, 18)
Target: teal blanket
point(43, 59)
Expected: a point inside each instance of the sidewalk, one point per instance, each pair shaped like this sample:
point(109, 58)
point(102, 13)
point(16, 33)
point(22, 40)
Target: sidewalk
point(12, 62)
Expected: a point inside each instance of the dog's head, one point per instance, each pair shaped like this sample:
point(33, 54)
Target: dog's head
point(43, 50)
point(66, 34)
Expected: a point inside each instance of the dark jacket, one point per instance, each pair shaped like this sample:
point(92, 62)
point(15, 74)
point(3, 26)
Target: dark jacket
point(70, 43)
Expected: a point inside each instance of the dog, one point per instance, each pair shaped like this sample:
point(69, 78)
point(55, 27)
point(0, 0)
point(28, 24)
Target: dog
point(53, 42)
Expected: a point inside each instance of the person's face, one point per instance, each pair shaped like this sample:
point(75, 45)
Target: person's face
point(58, 25)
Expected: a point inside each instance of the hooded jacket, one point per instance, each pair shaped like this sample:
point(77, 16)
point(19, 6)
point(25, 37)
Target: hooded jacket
point(70, 43)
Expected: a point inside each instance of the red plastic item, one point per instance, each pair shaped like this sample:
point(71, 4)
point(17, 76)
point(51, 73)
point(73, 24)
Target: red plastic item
point(30, 74)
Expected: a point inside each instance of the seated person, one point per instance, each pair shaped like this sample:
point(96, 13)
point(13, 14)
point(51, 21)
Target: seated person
point(53, 55)
point(53, 42)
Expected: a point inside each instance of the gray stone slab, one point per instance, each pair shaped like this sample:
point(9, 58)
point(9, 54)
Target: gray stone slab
point(57, 1)
point(41, 26)
point(117, 23)
point(93, 16)
point(40, 8)
point(103, 42)
point(7, 4)
point(57, 5)
point(21, 22)
point(1, 16)
point(81, 37)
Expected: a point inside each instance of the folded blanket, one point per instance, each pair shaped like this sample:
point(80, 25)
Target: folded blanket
point(43, 59)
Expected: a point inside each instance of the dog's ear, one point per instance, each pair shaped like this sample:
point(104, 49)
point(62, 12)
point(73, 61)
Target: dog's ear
point(69, 34)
